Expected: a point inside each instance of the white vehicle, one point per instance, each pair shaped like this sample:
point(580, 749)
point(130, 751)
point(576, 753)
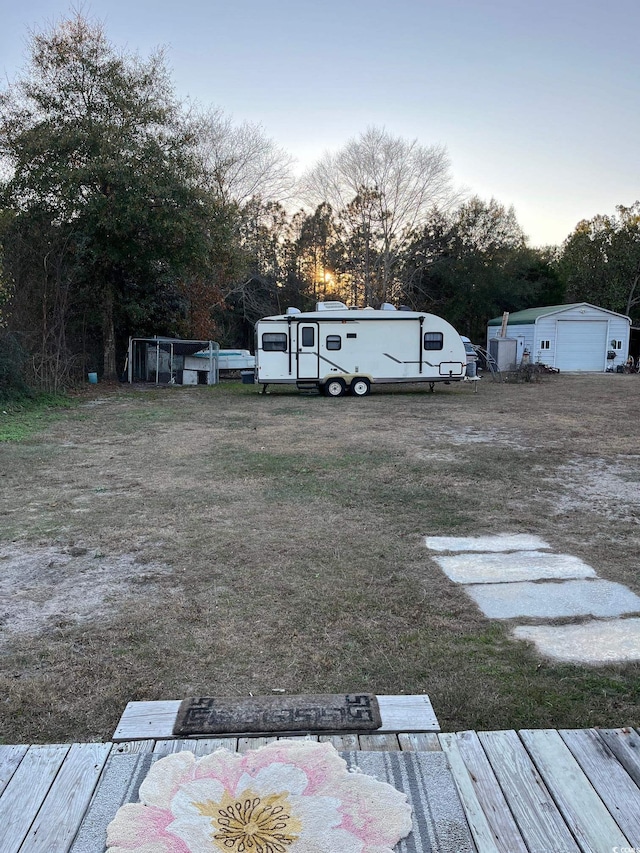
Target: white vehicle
point(470, 350)
point(338, 349)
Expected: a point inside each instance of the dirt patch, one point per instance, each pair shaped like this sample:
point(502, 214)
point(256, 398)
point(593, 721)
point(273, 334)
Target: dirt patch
point(497, 437)
point(49, 587)
point(239, 543)
point(608, 487)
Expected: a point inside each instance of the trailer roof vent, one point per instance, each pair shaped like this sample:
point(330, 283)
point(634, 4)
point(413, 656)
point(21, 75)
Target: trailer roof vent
point(293, 310)
point(387, 306)
point(330, 306)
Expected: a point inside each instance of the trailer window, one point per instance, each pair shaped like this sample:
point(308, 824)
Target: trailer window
point(274, 342)
point(334, 342)
point(433, 340)
point(308, 336)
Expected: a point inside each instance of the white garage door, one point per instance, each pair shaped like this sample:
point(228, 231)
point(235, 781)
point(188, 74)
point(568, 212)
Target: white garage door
point(582, 345)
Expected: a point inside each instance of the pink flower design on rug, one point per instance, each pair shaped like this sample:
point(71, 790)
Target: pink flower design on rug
point(287, 797)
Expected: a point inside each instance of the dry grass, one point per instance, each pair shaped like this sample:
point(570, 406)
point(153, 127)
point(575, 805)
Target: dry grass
point(158, 544)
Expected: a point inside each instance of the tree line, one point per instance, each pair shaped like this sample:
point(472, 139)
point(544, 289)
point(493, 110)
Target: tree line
point(126, 213)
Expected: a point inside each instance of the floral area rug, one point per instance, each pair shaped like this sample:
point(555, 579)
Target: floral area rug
point(287, 797)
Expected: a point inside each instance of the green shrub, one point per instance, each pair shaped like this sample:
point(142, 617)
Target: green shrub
point(12, 369)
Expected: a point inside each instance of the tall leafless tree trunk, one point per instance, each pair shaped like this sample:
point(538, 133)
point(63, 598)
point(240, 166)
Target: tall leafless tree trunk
point(108, 336)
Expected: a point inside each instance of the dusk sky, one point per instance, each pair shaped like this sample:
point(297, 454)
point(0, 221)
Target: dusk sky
point(537, 103)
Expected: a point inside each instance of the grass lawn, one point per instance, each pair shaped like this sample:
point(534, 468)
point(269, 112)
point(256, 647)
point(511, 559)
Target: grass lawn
point(156, 544)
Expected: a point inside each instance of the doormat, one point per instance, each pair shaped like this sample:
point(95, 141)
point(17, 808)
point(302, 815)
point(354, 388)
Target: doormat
point(350, 712)
point(287, 797)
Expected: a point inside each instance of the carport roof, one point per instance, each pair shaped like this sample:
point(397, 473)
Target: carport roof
point(180, 347)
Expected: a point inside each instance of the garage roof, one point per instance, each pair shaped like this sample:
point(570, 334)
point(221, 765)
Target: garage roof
point(530, 315)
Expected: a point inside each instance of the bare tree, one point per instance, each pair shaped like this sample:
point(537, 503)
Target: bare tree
point(239, 162)
point(381, 188)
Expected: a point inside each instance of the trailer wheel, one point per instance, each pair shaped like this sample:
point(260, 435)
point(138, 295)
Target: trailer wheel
point(360, 387)
point(334, 388)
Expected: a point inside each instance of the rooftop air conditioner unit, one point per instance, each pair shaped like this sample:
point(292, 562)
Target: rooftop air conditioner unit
point(330, 306)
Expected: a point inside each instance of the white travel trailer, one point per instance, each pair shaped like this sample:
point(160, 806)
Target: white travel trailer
point(338, 349)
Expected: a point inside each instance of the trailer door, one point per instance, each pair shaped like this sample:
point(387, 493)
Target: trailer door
point(308, 352)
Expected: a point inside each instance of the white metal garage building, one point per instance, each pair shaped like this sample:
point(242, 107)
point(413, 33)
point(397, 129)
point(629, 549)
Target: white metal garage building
point(575, 337)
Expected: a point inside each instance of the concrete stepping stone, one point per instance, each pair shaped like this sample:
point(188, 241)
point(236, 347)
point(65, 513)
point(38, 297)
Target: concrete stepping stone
point(500, 542)
point(514, 566)
point(553, 600)
point(591, 642)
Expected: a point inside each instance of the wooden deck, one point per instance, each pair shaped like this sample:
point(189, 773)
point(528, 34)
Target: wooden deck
point(532, 791)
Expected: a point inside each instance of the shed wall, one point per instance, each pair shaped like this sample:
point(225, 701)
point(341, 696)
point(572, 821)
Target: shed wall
point(545, 330)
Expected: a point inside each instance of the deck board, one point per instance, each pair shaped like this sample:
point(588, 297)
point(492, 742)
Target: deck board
point(63, 809)
point(582, 809)
point(419, 742)
point(614, 786)
point(343, 743)
point(132, 746)
point(473, 774)
point(26, 791)
point(10, 758)
point(483, 835)
point(539, 820)
point(379, 743)
point(625, 745)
